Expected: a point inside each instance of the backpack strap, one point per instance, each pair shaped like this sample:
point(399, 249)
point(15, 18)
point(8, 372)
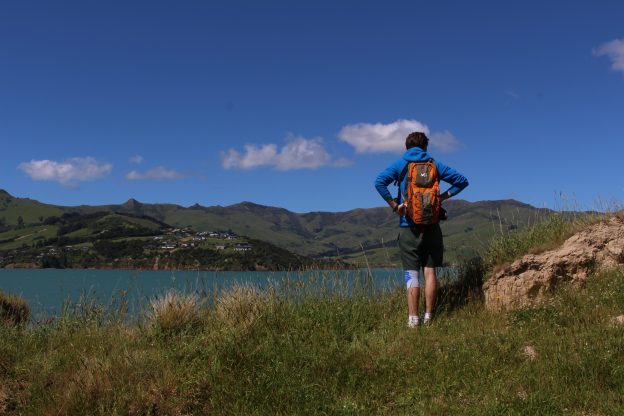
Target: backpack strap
point(398, 181)
point(402, 175)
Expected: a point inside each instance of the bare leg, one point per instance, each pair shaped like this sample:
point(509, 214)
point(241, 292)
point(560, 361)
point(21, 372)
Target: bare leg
point(413, 295)
point(431, 288)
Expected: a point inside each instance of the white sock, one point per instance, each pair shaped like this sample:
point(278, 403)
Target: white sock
point(413, 318)
point(428, 315)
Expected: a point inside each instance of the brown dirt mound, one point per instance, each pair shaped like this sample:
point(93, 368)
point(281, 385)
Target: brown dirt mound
point(534, 277)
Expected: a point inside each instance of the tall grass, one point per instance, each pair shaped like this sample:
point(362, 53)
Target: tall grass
point(541, 236)
point(325, 351)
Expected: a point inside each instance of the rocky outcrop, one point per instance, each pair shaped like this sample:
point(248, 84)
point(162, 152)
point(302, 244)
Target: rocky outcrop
point(533, 278)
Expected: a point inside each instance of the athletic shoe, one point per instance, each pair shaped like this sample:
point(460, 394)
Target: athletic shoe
point(412, 322)
point(427, 321)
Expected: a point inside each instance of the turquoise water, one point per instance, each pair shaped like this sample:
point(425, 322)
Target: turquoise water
point(46, 290)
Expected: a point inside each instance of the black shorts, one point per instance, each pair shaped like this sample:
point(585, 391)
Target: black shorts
point(421, 246)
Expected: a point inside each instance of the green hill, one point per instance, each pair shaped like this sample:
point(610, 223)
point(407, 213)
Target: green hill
point(38, 235)
point(31, 211)
point(344, 235)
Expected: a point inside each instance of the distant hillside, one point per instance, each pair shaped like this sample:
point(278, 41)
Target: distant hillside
point(38, 235)
point(345, 235)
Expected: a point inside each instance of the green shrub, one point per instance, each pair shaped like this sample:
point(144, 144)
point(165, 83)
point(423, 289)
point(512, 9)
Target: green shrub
point(13, 310)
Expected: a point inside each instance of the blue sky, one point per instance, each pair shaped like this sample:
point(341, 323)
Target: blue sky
point(302, 104)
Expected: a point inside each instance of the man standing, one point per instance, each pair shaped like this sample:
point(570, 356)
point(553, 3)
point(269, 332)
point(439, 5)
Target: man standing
point(419, 208)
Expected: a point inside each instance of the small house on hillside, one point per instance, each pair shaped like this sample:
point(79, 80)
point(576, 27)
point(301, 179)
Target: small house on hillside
point(243, 247)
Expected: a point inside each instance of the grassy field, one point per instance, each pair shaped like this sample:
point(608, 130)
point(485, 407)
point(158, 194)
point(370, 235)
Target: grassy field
point(300, 351)
point(17, 238)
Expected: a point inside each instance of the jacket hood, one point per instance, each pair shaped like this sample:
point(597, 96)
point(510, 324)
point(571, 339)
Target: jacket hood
point(416, 154)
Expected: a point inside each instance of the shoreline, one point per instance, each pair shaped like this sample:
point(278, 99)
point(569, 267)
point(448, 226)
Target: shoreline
point(31, 266)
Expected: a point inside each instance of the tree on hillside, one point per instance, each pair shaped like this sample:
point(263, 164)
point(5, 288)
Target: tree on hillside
point(51, 220)
point(20, 222)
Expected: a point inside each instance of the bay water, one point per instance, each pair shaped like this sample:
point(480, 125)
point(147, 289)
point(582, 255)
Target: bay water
point(47, 290)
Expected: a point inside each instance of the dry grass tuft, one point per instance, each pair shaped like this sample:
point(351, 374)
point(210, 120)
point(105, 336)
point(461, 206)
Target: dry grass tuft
point(14, 310)
point(175, 311)
point(242, 305)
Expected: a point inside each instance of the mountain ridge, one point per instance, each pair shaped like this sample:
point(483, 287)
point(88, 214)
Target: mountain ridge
point(131, 202)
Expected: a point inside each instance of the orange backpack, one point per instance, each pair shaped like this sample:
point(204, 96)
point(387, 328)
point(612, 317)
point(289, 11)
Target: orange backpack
point(422, 192)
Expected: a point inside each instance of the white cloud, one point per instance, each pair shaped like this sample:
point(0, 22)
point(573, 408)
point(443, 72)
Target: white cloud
point(252, 157)
point(300, 153)
point(444, 142)
point(157, 174)
point(380, 138)
point(297, 153)
point(615, 51)
point(138, 159)
point(390, 138)
point(68, 172)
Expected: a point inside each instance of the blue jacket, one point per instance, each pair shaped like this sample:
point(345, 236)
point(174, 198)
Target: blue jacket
point(449, 175)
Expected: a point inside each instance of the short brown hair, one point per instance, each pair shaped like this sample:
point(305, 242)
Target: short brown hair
point(416, 139)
